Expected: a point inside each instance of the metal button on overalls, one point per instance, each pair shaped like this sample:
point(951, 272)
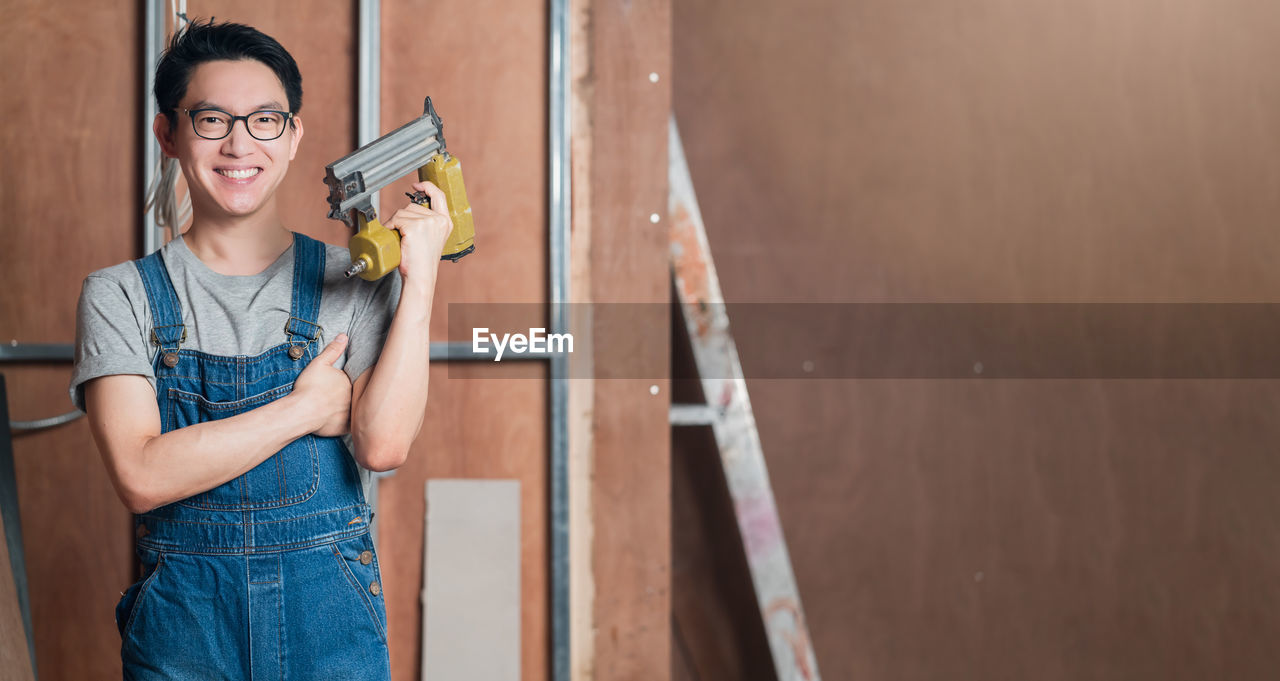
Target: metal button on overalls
point(249, 578)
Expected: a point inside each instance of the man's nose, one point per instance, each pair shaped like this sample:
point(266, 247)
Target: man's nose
point(238, 141)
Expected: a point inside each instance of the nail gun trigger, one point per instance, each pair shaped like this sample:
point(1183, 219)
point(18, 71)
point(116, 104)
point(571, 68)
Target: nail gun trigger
point(420, 198)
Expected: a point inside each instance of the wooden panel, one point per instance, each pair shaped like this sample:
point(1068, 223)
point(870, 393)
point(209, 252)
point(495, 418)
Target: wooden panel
point(482, 422)
point(484, 66)
point(631, 503)
point(70, 135)
point(1025, 152)
point(581, 397)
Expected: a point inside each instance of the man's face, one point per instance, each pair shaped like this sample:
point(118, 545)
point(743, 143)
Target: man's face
point(235, 176)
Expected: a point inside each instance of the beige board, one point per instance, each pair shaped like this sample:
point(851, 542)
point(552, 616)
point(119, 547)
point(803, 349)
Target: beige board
point(471, 598)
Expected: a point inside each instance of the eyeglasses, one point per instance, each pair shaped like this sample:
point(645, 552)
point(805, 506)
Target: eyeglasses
point(214, 124)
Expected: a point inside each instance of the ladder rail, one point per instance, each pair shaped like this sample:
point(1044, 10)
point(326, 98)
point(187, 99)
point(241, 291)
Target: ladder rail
point(734, 426)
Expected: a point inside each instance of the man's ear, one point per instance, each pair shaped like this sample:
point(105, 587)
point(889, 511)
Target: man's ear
point(160, 126)
point(296, 123)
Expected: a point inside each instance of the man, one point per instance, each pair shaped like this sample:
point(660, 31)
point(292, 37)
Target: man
point(224, 426)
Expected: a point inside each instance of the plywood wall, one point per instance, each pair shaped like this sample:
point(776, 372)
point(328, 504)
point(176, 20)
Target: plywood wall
point(71, 124)
point(71, 137)
point(72, 130)
point(876, 151)
point(482, 65)
point(627, 89)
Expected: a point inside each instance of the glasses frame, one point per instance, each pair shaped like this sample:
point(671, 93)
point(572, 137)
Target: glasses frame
point(191, 113)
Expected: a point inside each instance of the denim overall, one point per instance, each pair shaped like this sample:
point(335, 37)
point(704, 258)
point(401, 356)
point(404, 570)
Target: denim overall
point(271, 575)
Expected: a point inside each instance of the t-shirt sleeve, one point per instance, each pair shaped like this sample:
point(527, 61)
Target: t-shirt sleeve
point(109, 337)
point(371, 323)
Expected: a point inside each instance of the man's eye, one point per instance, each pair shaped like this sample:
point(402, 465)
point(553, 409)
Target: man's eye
point(210, 120)
point(266, 119)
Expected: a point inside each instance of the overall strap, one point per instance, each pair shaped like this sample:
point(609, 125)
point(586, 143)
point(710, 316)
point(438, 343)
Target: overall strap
point(167, 329)
point(308, 281)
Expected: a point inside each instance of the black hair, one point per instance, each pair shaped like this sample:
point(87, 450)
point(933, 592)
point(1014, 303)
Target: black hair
point(197, 43)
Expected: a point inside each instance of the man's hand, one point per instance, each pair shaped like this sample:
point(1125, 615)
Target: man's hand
point(326, 390)
point(423, 231)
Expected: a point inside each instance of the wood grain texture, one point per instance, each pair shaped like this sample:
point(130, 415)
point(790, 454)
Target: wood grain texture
point(581, 399)
point(70, 134)
point(1020, 152)
point(482, 422)
point(484, 66)
point(632, 491)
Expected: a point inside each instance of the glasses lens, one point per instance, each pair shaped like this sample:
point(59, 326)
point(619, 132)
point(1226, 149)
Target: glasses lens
point(266, 125)
point(212, 124)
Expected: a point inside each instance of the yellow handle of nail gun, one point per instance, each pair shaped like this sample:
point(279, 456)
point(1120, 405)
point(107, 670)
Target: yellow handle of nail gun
point(447, 175)
point(379, 247)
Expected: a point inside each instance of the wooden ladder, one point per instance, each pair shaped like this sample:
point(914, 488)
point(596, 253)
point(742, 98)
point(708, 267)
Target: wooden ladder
point(730, 417)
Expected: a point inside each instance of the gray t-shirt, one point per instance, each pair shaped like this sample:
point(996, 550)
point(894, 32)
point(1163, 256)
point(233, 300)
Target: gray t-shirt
point(224, 314)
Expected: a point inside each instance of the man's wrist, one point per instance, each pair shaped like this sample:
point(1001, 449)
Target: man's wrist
point(415, 300)
point(296, 405)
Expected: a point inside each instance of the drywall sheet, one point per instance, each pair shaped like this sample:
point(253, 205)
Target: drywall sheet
point(471, 599)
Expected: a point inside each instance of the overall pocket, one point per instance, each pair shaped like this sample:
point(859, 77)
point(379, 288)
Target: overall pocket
point(135, 596)
point(359, 575)
point(288, 477)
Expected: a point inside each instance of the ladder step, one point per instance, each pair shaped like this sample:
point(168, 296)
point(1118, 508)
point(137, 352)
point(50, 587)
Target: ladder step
point(693, 415)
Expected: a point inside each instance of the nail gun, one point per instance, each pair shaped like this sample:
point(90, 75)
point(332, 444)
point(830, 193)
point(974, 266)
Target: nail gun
point(356, 178)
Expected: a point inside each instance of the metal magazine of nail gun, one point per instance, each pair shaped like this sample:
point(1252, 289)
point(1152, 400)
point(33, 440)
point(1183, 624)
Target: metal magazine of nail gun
point(356, 178)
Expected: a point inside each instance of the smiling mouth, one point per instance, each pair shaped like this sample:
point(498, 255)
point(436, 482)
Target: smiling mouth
point(239, 174)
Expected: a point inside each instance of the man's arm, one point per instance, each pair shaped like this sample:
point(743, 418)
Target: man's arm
point(388, 401)
point(388, 406)
point(150, 469)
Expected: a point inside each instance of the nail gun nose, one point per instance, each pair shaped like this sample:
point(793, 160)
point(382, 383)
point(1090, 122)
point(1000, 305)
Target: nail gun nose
point(356, 268)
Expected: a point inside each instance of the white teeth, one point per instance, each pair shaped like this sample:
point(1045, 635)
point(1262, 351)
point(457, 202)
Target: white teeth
point(240, 174)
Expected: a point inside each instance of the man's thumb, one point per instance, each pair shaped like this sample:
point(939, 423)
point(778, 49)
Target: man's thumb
point(333, 350)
